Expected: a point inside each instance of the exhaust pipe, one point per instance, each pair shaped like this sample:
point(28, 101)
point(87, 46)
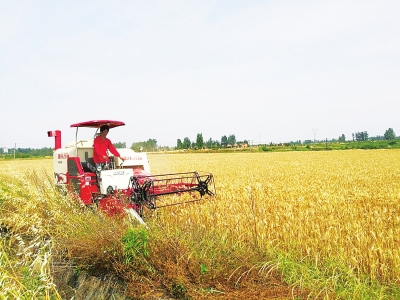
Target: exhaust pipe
point(57, 138)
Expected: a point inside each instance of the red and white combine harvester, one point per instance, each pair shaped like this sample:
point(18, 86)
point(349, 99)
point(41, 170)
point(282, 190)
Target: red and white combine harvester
point(120, 186)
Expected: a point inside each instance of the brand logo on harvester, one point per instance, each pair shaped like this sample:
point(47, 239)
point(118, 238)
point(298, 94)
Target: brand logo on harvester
point(63, 156)
point(133, 158)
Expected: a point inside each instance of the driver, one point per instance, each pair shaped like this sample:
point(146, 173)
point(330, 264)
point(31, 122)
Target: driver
point(100, 147)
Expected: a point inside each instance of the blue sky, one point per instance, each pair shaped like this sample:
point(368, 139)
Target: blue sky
point(266, 71)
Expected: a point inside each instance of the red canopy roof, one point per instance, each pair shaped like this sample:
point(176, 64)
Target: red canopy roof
point(98, 123)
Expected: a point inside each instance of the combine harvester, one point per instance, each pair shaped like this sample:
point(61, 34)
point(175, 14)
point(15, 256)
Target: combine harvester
point(120, 186)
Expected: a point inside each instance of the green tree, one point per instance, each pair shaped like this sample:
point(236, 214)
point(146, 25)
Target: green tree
point(119, 145)
point(209, 143)
point(179, 144)
point(361, 136)
point(186, 143)
point(224, 141)
point(389, 134)
point(231, 139)
point(199, 141)
point(342, 138)
point(149, 145)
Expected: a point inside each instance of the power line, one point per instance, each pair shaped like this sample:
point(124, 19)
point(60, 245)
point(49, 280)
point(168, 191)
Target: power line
point(315, 133)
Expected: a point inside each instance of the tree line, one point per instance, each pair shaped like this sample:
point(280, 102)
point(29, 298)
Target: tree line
point(27, 152)
point(363, 136)
point(198, 143)
point(186, 143)
point(147, 146)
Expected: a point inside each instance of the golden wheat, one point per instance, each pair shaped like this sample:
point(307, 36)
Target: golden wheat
point(323, 206)
point(342, 205)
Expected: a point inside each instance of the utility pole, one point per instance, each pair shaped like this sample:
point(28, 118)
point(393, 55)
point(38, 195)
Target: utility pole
point(315, 133)
point(15, 147)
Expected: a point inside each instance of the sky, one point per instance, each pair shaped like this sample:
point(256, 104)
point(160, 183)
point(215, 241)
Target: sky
point(265, 71)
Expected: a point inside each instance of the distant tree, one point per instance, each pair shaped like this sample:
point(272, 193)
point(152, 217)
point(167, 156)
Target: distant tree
point(164, 148)
point(199, 141)
point(136, 146)
point(342, 138)
point(389, 134)
point(179, 144)
point(29, 152)
point(209, 143)
point(224, 141)
point(186, 143)
point(120, 145)
point(361, 136)
point(231, 139)
point(365, 136)
point(149, 145)
point(378, 138)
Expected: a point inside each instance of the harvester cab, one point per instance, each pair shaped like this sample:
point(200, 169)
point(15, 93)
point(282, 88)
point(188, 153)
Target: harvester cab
point(120, 185)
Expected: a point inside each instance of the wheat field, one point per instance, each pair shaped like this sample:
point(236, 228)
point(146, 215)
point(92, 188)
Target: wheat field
point(327, 221)
point(343, 204)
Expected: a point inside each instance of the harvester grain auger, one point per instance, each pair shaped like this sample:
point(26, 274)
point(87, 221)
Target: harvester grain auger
point(121, 186)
